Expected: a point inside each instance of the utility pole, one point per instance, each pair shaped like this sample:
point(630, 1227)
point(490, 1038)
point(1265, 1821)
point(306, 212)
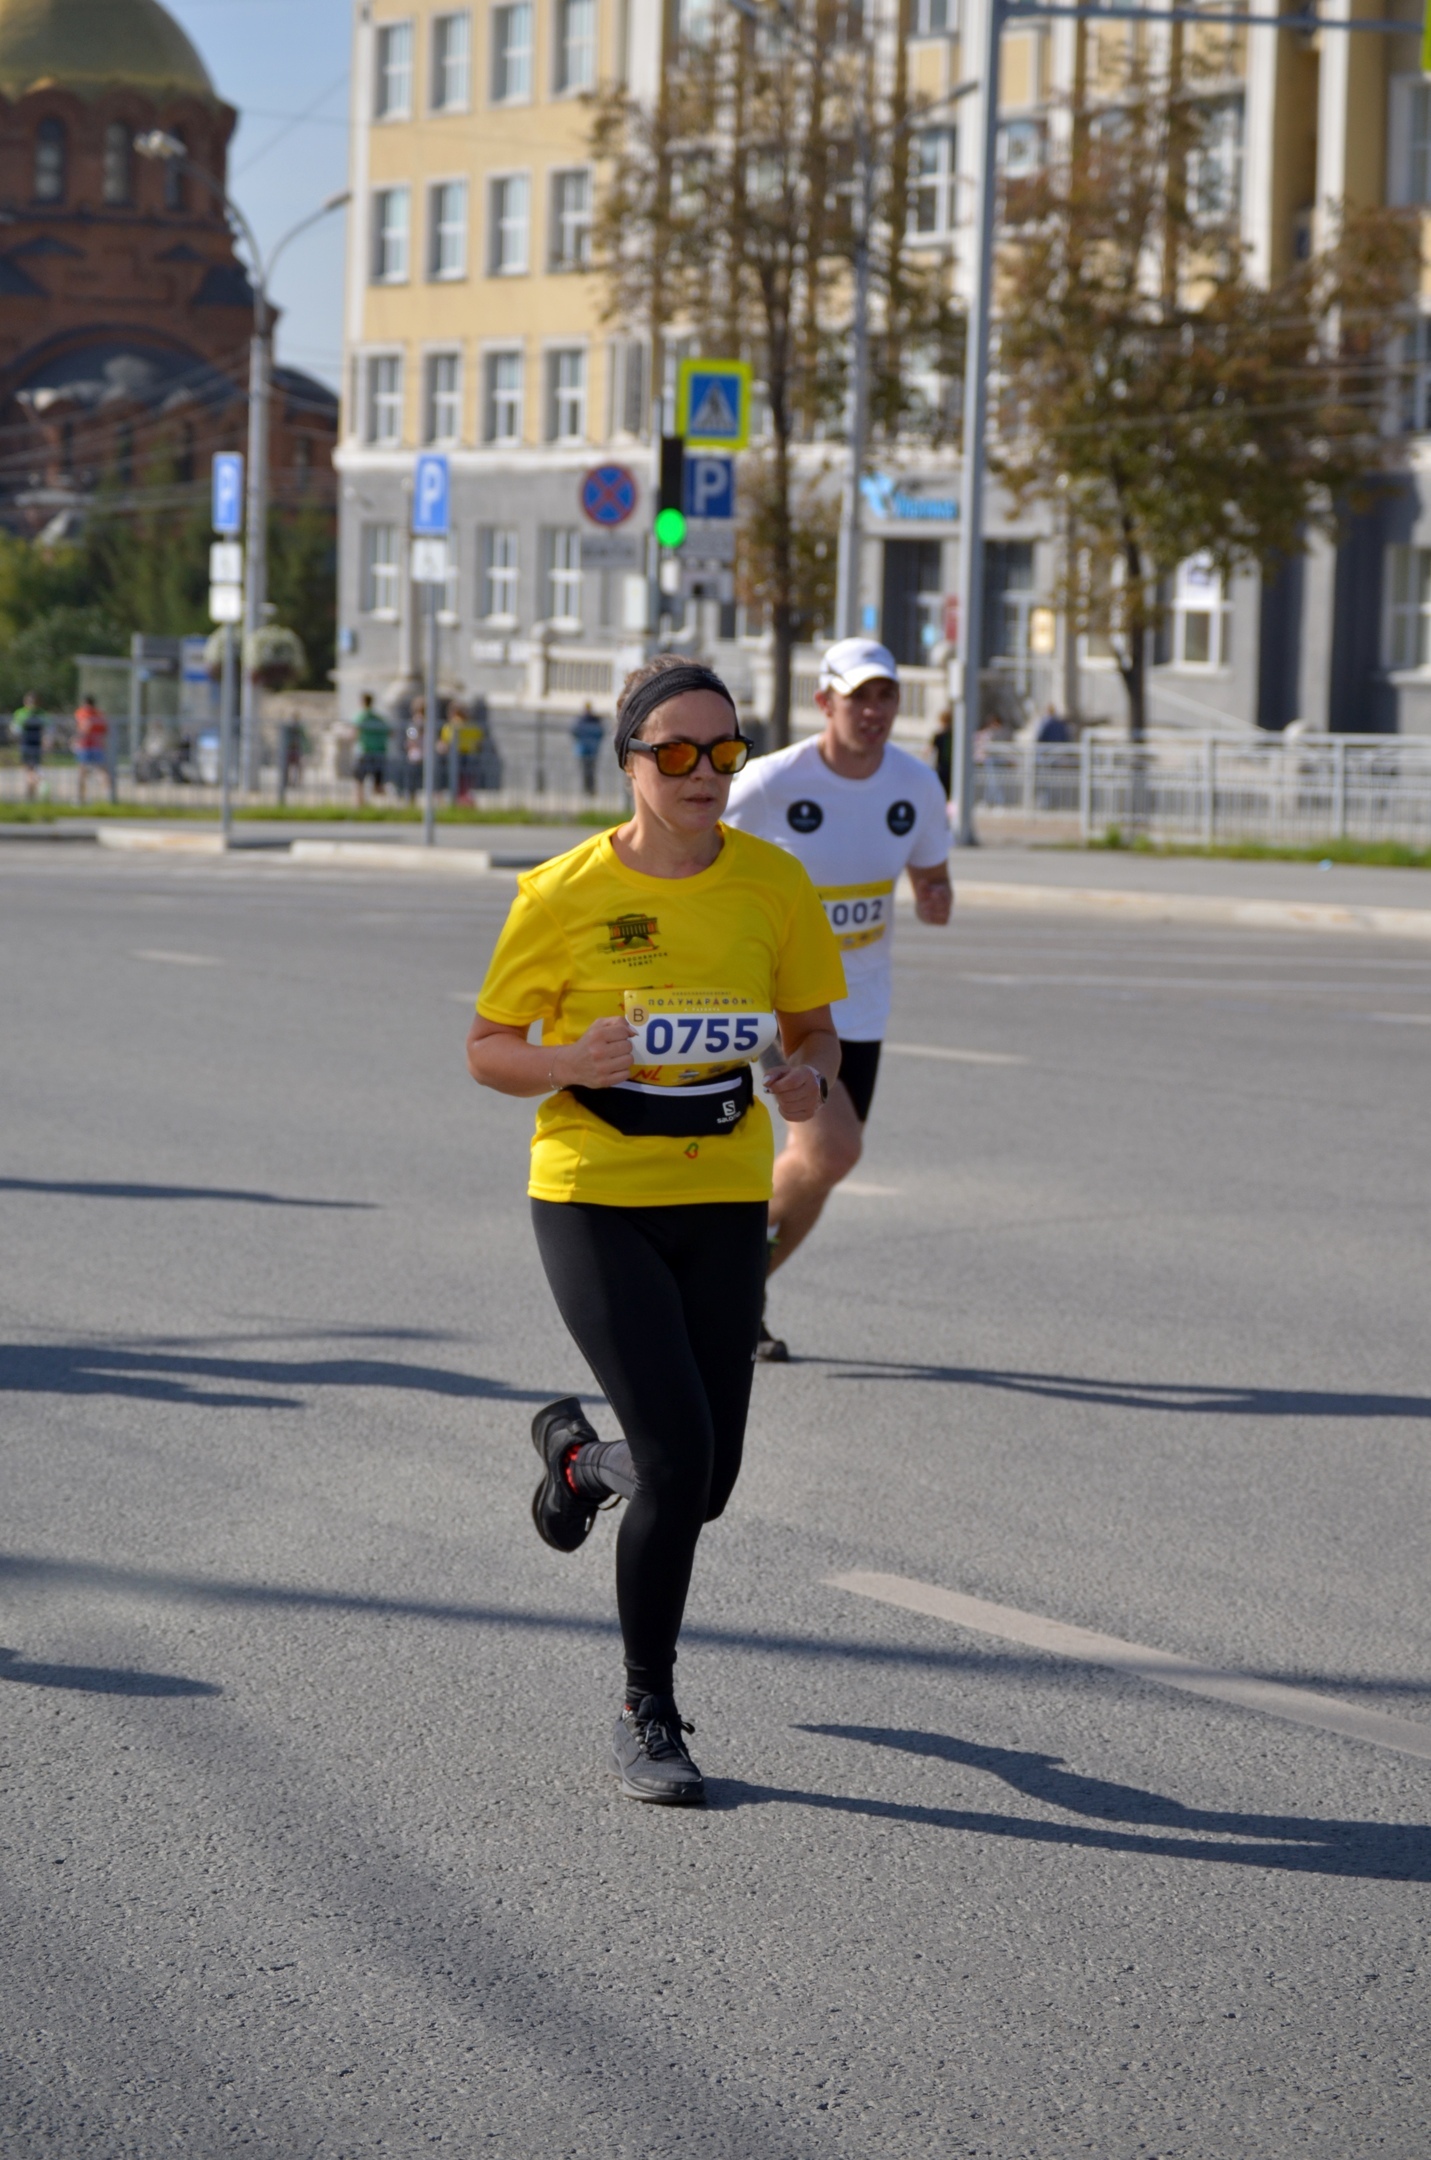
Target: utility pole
point(255, 583)
point(976, 417)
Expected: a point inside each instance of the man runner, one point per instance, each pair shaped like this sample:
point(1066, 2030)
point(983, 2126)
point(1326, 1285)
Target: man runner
point(856, 811)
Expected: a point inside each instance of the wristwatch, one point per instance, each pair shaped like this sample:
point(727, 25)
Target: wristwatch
point(824, 1083)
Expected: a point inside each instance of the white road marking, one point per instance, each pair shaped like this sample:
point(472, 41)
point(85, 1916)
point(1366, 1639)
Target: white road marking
point(1402, 1019)
point(955, 1057)
point(177, 959)
point(858, 1191)
point(1298, 1704)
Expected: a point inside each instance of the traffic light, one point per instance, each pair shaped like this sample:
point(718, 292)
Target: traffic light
point(670, 502)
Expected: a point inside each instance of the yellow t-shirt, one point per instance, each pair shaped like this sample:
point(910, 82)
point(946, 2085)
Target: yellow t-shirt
point(584, 930)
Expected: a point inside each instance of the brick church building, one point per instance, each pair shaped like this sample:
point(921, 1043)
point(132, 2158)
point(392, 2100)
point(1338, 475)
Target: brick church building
point(125, 315)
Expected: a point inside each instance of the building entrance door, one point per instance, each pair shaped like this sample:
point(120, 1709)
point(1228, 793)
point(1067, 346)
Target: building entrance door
point(913, 598)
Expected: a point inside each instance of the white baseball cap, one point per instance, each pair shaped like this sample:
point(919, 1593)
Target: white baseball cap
point(856, 660)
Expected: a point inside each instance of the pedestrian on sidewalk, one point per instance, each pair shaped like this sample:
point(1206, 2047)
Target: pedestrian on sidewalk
point(588, 734)
point(372, 734)
point(91, 741)
point(30, 727)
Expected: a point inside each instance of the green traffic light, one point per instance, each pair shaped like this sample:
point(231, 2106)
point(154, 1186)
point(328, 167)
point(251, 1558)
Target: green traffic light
point(670, 528)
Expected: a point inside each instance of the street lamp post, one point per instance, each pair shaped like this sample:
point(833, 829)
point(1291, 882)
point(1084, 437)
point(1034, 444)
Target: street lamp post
point(167, 149)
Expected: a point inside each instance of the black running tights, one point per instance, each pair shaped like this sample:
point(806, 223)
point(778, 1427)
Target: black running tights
point(664, 1304)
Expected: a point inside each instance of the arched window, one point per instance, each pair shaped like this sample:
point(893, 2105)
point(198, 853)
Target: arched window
point(118, 147)
point(50, 161)
point(175, 193)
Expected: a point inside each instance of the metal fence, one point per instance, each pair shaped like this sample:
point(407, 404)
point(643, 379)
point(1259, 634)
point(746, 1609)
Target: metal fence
point(1206, 789)
point(1197, 790)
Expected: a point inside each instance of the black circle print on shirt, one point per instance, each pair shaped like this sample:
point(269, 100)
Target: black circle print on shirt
point(809, 817)
point(900, 818)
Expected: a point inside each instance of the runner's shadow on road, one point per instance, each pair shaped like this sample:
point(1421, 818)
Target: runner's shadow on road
point(99, 1679)
point(1292, 1844)
point(1139, 1394)
point(169, 1375)
point(73, 1188)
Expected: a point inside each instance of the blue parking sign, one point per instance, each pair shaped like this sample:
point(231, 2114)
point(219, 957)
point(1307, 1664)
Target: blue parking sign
point(710, 485)
point(429, 496)
point(228, 493)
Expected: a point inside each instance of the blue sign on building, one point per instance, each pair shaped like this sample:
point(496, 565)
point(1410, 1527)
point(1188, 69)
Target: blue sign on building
point(430, 496)
point(228, 493)
point(710, 485)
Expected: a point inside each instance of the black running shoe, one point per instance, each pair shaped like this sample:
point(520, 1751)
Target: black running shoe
point(562, 1516)
point(649, 1755)
point(769, 1349)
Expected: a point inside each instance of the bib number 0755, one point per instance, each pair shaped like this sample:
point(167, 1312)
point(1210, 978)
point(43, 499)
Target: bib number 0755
point(692, 1038)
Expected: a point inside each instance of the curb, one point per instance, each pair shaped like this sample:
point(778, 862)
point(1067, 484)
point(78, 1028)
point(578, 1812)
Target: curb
point(1197, 908)
point(149, 840)
point(389, 855)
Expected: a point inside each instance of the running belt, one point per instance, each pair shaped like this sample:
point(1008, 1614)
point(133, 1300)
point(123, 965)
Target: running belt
point(690, 1111)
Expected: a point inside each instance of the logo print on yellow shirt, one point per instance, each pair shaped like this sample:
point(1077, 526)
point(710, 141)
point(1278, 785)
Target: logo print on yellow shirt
point(633, 933)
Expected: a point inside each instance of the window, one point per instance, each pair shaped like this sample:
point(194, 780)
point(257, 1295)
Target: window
point(447, 230)
point(575, 44)
point(508, 239)
point(1008, 598)
point(175, 193)
point(571, 220)
point(1021, 147)
point(442, 405)
point(124, 453)
point(936, 18)
point(1198, 621)
point(118, 155)
point(380, 570)
point(1215, 164)
point(512, 53)
point(503, 418)
point(1416, 377)
point(561, 550)
point(1408, 607)
point(695, 21)
point(385, 399)
point(1408, 178)
point(933, 165)
point(626, 385)
point(390, 218)
point(451, 62)
point(566, 396)
point(392, 90)
point(50, 161)
point(497, 573)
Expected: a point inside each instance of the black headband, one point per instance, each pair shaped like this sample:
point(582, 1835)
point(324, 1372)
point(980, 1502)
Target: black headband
point(640, 703)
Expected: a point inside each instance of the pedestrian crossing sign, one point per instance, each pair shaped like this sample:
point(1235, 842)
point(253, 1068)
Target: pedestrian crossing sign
point(713, 404)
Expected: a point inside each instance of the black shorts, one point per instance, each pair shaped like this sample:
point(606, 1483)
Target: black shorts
point(859, 1069)
point(371, 768)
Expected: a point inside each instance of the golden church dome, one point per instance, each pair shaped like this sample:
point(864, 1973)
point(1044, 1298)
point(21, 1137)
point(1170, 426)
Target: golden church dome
point(94, 45)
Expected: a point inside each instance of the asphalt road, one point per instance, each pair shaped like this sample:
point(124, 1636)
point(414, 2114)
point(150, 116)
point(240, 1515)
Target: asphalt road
point(307, 1850)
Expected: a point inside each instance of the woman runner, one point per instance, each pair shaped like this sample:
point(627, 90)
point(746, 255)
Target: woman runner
point(661, 959)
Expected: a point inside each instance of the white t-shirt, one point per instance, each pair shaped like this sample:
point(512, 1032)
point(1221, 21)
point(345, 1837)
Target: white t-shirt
point(854, 838)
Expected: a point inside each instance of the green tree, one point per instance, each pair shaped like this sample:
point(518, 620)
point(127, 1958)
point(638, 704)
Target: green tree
point(303, 584)
point(41, 657)
point(1175, 405)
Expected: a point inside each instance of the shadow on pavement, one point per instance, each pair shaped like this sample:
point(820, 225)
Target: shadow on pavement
point(1140, 1394)
point(73, 1188)
point(25, 1570)
point(177, 1376)
point(1297, 1844)
point(99, 1679)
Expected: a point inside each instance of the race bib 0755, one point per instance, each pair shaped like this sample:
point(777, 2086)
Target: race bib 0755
point(696, 1029)
point(858, 914)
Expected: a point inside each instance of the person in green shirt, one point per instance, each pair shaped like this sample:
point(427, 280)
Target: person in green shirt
point(374, 734)
point(30, 731)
